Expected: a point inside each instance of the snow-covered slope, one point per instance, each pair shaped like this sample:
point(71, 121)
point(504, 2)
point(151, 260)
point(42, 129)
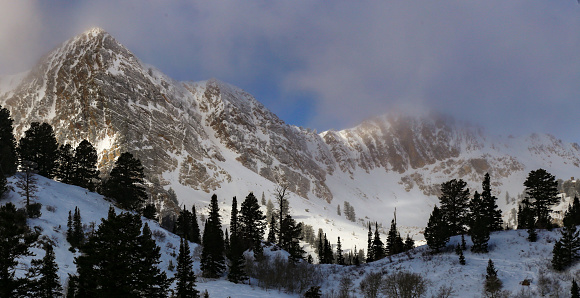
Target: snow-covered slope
point(210, 137)
point(58, 199)
point(515, 258)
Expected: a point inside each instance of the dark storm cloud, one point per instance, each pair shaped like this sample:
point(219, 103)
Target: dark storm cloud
point(512, 66)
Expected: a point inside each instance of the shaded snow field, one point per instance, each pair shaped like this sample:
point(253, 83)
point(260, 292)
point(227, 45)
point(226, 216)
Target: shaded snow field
point(515, 258)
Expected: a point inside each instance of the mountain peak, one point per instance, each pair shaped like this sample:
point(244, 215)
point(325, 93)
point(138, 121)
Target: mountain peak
point(95, 31)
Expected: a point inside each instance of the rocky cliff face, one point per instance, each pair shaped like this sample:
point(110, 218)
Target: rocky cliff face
point(92, 87)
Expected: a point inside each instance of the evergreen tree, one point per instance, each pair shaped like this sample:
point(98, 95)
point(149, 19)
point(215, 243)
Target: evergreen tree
point(378, 247)
point(183, 224)
point(566, 252)
point(572, 216)
point(234, 225)
point(338, 210)
point(492, 284)
point(195, 237)
point(151, 281)
point(86, 174)
point(574, 291)
point(226, 242)
point(454, 201)
point(542, 191)
point(150, 212)
point(491, 211)
point(39, 145)
point(212, 254)
point(120, 260)
point(75, 234)
point(339, 255)
point(395, 242)
point(42, 276)
point(125, 184)
point(525, 215)
point(292, 237)
point(69, 228)
point(8, 157)
point(436, 233)
point(459, 252)
point(479, 224)
point(185, 276)
point(558, 259)
point(252, 224)
point(236, 258)
point(321, 259)
point(370, 254)
point(409, 243)
point(327, 252)
point(3, 186)
point(263, 199)
point(283, 207)
point(532, 233)
point(15, 240)
point(66, 164)
point(463, 244)
point(273, 231)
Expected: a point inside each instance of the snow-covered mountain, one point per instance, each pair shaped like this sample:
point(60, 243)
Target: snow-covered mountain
point(204, 137)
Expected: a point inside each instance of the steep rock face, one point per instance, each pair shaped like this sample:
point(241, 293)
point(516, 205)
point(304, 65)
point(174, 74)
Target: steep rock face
point(93, 88)
point(264, 143)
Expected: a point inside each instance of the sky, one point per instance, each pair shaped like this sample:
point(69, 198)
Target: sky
point(512, 67)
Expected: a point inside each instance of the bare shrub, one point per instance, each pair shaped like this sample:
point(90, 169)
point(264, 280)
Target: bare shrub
point(345, 286)
point(524, 292)
point(278, 273)
point(444, 292)
point(404, 284)
point(158, 235)
point(371, 284)
point(50, 208)
point(548, 285)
